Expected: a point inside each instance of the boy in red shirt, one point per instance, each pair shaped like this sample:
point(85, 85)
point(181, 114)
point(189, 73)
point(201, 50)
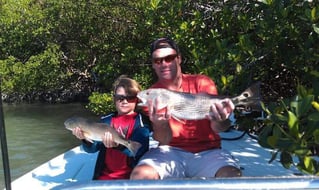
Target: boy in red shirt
point(116, 161)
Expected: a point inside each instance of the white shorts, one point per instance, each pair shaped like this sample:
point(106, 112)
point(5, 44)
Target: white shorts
point(172, 162)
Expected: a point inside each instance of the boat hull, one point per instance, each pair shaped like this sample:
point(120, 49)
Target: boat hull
point(76, 167)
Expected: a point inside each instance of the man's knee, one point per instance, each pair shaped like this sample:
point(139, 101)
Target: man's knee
point(228, 171)
point(144, 172)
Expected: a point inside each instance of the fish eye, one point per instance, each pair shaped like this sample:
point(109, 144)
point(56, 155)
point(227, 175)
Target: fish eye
point(246, 95)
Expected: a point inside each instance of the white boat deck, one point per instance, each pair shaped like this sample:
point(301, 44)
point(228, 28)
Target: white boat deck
point(76, 166)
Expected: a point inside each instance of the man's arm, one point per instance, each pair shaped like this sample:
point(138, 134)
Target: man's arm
point(162, 132)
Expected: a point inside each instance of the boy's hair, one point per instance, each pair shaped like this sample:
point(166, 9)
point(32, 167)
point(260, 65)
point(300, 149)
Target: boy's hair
point(130, 86)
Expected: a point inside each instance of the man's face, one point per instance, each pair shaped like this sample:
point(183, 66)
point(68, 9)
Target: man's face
point(166, 63)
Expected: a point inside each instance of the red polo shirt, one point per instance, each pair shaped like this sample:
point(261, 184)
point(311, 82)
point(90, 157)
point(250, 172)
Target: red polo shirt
point(194, 135)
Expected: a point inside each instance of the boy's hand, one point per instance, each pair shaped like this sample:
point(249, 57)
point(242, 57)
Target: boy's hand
point(108, 140)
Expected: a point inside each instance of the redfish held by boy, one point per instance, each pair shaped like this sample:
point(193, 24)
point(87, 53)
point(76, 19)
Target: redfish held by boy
point(186, 106)
point(94, 131)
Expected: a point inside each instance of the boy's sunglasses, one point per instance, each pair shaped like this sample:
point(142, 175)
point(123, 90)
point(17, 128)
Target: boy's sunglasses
point(121, 98)
point(167, 59)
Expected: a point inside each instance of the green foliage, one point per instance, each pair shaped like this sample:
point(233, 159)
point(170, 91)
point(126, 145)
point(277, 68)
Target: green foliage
point(236, 43)
point(42, 71)
point(101, 103)
point(292, 128)
point(24, 31)
point(83, 46)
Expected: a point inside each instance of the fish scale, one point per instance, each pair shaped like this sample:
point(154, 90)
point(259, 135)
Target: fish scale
point(191, 107)
point(186, 106)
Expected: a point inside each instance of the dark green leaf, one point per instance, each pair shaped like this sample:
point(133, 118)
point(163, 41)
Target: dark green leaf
point(316, 136)
point(304, 105)
point(309, 164)
point(273, 156)
point(301, 91)
point(302, 152)
point(278, 118)
point(272, 141)
point(293, 124)
point(286, 159)
point(314, 116)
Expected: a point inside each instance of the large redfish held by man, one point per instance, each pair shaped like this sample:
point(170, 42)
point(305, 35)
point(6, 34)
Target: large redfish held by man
point(186, 106)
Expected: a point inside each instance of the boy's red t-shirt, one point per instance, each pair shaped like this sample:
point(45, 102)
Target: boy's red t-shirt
point(194, 135)
point(117, 164)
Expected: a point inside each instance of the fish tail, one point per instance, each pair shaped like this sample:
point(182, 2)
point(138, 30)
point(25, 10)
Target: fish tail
point(134, 146)
point(254, 90)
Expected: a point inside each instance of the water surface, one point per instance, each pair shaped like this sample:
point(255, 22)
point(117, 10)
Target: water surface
point(35, 134)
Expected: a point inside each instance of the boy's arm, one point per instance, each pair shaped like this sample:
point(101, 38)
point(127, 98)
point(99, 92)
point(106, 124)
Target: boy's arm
point(91, 147)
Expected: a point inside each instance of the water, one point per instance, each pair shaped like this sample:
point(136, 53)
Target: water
point(35, 134)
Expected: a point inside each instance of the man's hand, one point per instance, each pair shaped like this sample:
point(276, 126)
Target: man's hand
point(220, 112)
point(158, 113)
point(159, 117)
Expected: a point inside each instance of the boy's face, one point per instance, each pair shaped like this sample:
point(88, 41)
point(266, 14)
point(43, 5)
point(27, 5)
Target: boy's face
point(124, 104)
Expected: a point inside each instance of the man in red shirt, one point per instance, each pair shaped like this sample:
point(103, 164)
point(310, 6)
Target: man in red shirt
point(191, 148)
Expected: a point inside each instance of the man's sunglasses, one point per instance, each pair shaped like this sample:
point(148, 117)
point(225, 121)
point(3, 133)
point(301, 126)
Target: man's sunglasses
point(167, 59)
point(121, 98)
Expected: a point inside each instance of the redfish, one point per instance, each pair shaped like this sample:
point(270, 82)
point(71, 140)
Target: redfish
point(94, 131)
point(186, 106)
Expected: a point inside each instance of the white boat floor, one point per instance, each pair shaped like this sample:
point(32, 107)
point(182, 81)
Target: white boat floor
point(76, 165)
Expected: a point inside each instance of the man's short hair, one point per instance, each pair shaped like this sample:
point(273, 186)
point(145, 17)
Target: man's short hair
point(164, 43)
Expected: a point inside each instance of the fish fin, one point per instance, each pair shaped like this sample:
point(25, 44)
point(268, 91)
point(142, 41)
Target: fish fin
point(142, 104)
point(134, 146)
point(179, 120)
point(169, 108)
point(86, 135)
point(89, 140)
point(162, 106)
